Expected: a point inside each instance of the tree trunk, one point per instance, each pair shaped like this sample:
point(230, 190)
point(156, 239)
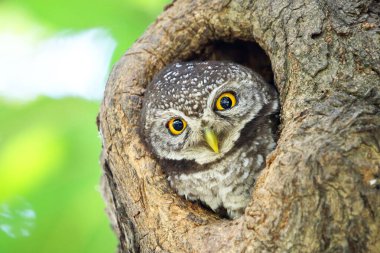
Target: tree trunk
point(320, 189)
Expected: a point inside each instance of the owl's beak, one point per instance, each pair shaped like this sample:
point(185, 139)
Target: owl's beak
point(211, 139)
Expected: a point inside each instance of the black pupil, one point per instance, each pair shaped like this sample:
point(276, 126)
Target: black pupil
point(178, 125)
point(226, 102)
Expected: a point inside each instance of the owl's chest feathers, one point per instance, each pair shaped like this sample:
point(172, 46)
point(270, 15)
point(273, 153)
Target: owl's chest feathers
point(227, 183)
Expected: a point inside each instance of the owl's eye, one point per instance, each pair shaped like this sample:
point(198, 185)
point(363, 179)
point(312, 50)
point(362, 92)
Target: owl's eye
point(176, 126)
point(225, 101)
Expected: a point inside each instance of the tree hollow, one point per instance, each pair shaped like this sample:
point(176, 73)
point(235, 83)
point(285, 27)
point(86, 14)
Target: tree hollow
point(319, 189)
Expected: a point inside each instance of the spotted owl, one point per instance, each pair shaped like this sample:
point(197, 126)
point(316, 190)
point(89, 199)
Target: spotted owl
point(211, 125)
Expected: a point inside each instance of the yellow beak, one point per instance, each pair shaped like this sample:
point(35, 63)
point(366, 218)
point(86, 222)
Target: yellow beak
point(211, 139)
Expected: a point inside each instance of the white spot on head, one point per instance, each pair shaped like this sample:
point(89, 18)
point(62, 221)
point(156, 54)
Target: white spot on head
point(167, 74)
point(259, 160)
point(275, 105)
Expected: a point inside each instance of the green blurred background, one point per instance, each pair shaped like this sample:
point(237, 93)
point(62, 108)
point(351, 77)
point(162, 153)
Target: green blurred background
point(49, 144)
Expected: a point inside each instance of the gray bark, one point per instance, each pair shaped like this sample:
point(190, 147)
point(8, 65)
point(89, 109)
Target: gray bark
point(320, 189)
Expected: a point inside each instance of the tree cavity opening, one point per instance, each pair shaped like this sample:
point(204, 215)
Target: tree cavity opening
point(246, 53)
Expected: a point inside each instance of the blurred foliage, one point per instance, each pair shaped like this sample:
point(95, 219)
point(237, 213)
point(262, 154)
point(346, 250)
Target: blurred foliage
point(49, 149)
point(49, 153)
point(124, 19)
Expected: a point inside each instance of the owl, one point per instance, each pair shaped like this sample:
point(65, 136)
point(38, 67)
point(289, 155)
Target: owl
point(211, 125)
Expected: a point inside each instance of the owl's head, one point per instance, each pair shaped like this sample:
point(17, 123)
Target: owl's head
point(197, 110)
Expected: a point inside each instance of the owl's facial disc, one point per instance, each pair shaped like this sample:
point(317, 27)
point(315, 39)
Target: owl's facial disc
point(207, 138)
point(197, 112)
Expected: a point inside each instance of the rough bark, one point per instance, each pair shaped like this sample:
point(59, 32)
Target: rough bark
point(320, 189)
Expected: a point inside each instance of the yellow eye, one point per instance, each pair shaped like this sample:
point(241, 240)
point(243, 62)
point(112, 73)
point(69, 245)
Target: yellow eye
point(176, 126)
point(225, 101)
